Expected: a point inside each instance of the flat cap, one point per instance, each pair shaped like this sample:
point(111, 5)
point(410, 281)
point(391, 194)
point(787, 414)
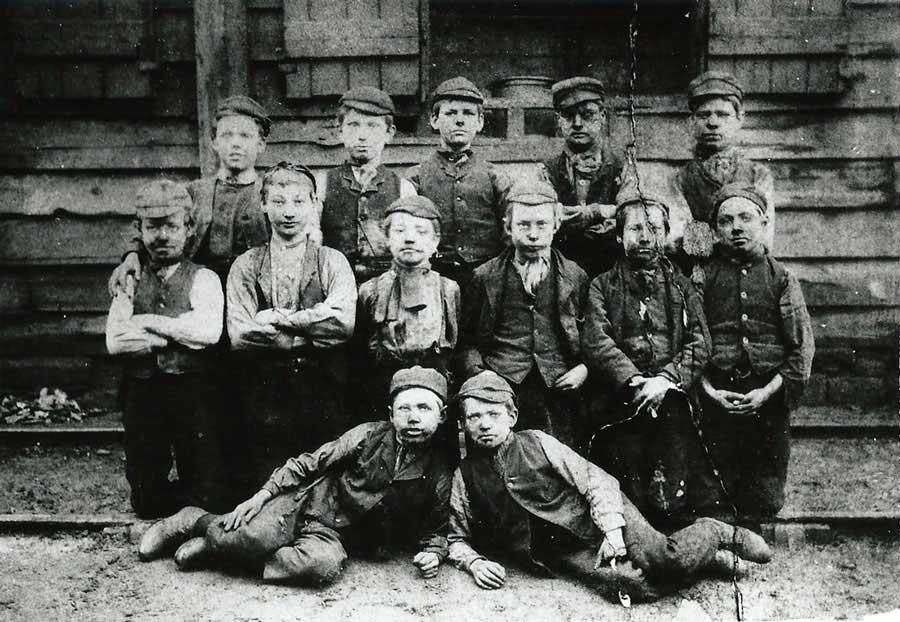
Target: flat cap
point(573, 91)
point(368, 100)
point(158, 199)
point(531, 192)
point(292, 167)
point(486, 386)
point(420, 377)
point(457, 88)
point(633, 196)
point(713, 84)
point(415, 205)
point(730, 191)
point(247, 107)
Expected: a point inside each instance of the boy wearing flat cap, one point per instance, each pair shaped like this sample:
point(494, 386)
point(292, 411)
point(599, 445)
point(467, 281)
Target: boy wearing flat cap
point(409, 315)
point(467, 190)
point(377, 486)
point(646, 343)
point(762, 351)
point(226, 210)
point(521, 317)
point(291, 310)
point(359, 191)
point(715, 99)
point(525, 498)
point(162, 328)
point(587, 176)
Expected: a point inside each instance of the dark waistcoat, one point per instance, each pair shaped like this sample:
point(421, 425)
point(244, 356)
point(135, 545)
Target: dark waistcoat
point(345, 204)
point(742, 308)
point(170, 298)
point(527, 331)
point(527, 495)
point(468, 203)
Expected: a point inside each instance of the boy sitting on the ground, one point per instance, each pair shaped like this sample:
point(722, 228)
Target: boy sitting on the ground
point(762, 351)
point(380, 484)
point(163, 328)
point(408, 315)
point(530, 499)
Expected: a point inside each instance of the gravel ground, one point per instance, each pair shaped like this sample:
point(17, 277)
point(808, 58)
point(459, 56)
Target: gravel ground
point(826, 474)
point(98, 577)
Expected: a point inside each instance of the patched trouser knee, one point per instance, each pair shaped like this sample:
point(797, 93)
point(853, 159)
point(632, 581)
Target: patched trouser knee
point(315, 557)
point(256, 540)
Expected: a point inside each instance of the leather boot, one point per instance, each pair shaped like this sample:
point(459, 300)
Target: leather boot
point(726, 564)
point(741, 541)
point(163, 536)
point(191, 554)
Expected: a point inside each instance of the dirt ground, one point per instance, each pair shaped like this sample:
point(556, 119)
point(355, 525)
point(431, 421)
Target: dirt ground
point(88, 577)
point(825, 474)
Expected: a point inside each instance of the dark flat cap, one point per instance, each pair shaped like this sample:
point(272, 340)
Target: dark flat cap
point(532, 192)
point(247, 107)
point(368, 100)
point(419, 377)
point(573, 91)
point(457, 88)
point(486, 386)
point(293, 167)
point(631, 196)
point(730, 191)
point(158, 199)
point(713, 84)
point(415, 205)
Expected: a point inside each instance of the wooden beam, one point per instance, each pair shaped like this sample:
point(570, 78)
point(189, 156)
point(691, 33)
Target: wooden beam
point(222, 52)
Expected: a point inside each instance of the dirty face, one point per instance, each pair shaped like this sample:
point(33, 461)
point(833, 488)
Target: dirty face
point(582, 126)
point(717, 123)
point(411, 239)
point(364, 136)
point(643, 233)
point(238, 143)
point(164, 237)
point(487, 424)
point(740, 225)
point(457, 122)
point(416, 414)
point(290, 205)
point(531, 228)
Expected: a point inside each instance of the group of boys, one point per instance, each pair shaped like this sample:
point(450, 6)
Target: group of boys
point(656, 377)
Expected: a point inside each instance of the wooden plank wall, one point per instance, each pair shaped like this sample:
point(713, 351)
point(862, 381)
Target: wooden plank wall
point(66, 186)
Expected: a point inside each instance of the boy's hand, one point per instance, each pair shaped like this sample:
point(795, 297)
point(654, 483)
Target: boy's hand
point(652, 391)
point(751, 402)
point(130, 266)
point(488, 575)
point(268, 316)
point(613, 546)
point(427, 563)
point(245, 511)
point(572, 379)
point(727, 400)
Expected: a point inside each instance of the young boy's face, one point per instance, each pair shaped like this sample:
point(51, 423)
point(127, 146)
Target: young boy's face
point(487, 424)
point(644, 232)
point(457, 122)
point(290, 205)
point(531, 228)
point(238, 142)
point(582, 126)
point(416, 414)
point(412, 240)
point(740, 224)
point(164, 237)
point(716, 123)
point(364, 136)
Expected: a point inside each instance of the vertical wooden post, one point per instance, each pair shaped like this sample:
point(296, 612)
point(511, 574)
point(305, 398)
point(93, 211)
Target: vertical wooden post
point(699, 36)
point(223, 64)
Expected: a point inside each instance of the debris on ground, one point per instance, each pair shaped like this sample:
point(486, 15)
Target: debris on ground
point(50, 406)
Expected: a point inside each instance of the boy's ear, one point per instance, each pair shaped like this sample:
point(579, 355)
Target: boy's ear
point(433, 121)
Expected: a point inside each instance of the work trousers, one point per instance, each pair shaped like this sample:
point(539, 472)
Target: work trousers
point(285, 547)
point(751, 453)
point(558, 413)
point(167, 412)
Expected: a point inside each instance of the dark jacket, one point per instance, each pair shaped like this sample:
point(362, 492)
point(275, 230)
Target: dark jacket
point(483, 299)
point(604, 319)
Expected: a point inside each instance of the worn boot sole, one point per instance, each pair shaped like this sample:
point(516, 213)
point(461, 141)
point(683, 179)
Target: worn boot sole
point(191, 554)
point(165, 535)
